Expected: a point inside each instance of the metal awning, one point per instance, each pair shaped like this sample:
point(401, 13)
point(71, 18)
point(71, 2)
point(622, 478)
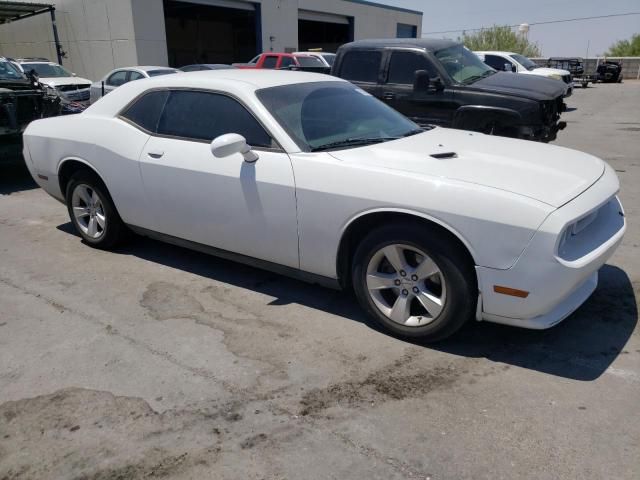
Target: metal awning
point(14, 11)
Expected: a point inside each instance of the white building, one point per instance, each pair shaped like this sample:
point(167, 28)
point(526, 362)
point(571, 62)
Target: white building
point(99, 35)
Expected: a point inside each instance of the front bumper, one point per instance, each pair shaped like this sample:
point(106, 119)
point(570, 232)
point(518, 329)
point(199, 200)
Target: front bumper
point(559, 267)
point(541, 133)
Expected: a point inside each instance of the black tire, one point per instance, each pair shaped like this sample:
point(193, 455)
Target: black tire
point(454, 263)
point(115, 231)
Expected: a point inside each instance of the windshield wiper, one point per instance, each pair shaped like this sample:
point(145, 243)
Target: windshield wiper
point(474, 78)
point(413, 132)
point(352, 142)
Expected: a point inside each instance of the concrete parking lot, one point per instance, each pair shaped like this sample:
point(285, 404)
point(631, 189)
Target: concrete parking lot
point(155, 361)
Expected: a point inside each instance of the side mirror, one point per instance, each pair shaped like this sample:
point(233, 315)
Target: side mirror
point(73, 75)
point(423, 83)
point(230, 143)
point(507, 67)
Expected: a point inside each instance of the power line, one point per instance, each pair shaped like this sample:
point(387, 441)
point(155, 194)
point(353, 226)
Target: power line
point(539, 23)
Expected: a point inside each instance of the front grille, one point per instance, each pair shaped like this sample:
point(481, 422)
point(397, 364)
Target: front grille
point(70, 88)
point(79, 96)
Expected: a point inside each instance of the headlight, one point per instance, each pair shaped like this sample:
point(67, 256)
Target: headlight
point(556, 77)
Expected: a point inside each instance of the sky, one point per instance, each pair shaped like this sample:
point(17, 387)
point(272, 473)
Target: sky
point(561, 39)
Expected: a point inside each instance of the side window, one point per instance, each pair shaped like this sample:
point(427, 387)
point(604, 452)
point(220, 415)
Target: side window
point(118, 78)
point(270, 61)
point(145, 111)
point(403, 66)
point(496, 62)
point(361, 66)
point(135, 76)
point(205, 116)
point(286, 62)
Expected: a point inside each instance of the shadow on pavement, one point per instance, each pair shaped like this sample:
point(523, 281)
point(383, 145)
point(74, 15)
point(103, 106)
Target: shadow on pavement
point(14, 177)
point(580, 348)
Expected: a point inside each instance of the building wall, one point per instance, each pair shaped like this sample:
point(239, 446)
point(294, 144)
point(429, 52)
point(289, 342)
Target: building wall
point(100, 35)
point(97, 35)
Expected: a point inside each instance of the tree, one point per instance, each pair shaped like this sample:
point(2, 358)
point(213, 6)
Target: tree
point(625, 48)
point(500, 38)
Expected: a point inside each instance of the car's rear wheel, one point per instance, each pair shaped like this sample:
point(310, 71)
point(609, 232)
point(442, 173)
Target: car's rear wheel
point(414, 281)
point(92, 211)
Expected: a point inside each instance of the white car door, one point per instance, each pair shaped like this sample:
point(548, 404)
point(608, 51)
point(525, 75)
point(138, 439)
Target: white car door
point(227, 203)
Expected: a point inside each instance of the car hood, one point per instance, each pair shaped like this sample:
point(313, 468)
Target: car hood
point(548, 71)
point(546, 173)
point(58, 81)
point(534, 87)
point(18, 84)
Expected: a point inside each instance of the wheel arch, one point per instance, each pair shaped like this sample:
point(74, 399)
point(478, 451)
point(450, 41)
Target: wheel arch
point(469, 117)
point(70, 165)
point(360, 225)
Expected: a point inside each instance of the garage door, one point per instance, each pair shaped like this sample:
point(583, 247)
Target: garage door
point(323, 30)
point(211, 31)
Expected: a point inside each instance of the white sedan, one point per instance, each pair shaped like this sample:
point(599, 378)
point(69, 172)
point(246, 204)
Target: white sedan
point(118, 77)
point(310, 176)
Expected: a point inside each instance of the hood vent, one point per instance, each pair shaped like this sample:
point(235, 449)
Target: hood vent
point(444, 155)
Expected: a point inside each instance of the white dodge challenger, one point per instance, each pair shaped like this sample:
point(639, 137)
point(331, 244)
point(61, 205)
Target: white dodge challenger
point(310, 176)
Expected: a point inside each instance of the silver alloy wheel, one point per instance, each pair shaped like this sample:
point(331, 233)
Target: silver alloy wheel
point(406, 285)
point(88, 211)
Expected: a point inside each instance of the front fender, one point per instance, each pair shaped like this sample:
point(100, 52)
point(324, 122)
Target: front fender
point(470, 117)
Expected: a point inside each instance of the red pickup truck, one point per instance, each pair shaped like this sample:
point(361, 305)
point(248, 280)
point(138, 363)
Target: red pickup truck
point(285, 61)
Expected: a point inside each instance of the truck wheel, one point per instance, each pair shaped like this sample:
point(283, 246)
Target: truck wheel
point(414, 282)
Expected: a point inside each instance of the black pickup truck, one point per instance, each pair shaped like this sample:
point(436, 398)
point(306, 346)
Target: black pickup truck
point(440, 82)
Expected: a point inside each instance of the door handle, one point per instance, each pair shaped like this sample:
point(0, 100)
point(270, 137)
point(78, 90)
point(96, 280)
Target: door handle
point(155, 154)
point(388, 95)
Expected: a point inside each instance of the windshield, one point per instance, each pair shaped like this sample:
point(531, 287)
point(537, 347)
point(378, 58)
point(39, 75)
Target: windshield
point(46, 70)
point(309, 61)
point(463, 65)
point(157, 73)
point(9, 71)
point(325, 115)
point(524, 61)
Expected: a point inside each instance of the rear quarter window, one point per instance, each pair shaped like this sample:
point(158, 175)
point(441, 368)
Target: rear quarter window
point(145, 111)
point(361, 65)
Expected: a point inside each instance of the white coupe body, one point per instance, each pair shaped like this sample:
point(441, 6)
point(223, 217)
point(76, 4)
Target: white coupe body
point(534, 218)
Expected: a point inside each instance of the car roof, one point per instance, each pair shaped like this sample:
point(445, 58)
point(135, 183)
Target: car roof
point(236, 81)
point(42, 62)
point(430, 44)
point(494, 52)
point(147, 68)
point(313, 53)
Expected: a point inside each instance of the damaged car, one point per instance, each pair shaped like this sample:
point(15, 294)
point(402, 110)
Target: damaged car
point(441, 82)
point(54, 76)
point(22, 99)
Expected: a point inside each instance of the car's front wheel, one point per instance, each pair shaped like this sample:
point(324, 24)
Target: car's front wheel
point(92, 211)
point(414, 281)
